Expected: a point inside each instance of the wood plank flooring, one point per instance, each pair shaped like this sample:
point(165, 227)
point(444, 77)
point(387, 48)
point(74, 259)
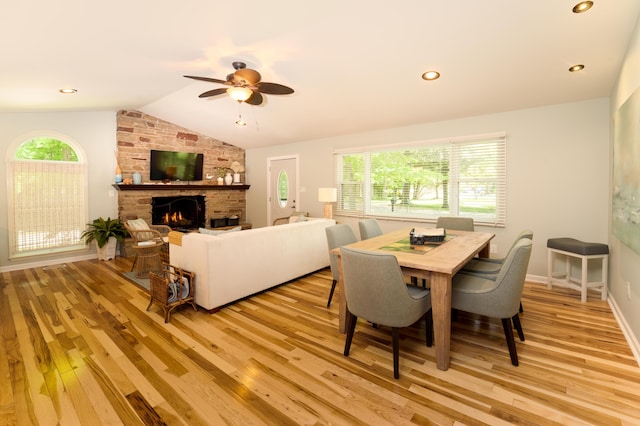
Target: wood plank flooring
point(78, 348)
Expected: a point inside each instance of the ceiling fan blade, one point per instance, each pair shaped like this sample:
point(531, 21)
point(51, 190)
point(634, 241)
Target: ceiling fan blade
point(273, 89)
point(213, 92)
point(255, 99)
point(210, 80)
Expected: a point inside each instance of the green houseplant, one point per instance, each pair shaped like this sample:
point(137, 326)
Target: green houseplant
point(106, 233)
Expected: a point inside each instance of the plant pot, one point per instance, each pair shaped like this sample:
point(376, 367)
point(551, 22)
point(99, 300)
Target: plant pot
point(108, 251)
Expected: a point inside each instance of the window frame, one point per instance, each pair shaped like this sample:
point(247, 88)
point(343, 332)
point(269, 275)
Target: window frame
point(355, 196)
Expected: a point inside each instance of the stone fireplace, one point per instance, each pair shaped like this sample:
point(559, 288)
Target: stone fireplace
point(137, 201)
point(139, 133)
point(180, 213)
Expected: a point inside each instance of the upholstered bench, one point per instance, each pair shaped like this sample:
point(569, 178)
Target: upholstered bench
point(569, 247)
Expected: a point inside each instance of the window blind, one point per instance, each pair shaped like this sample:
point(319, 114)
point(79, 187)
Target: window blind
point(467, 175)
point(49, 206)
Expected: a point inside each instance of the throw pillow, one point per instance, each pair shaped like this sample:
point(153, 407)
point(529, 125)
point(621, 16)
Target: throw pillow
point(140, 225)
point(219, 231)
point(300, 217)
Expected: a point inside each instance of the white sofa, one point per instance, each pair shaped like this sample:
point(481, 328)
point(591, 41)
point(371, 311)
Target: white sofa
point(234, 265)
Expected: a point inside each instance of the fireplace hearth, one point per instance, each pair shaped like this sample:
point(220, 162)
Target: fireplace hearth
point(180, 213)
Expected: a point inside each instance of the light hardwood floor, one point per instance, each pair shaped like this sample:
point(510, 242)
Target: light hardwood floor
point(78, 347)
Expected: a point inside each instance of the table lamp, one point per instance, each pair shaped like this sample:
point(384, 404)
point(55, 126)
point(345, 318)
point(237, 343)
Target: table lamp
point(328, 196)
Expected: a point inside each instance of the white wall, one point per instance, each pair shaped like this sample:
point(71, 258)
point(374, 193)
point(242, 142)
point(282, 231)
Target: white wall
point(557, 176)
point(558, 167)
point(625, 263)
point(95, 132)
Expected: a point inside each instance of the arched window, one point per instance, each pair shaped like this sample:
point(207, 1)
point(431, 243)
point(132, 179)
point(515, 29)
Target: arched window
point(47, 197)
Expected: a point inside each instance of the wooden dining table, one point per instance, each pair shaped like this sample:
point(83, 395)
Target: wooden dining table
point(437, 263)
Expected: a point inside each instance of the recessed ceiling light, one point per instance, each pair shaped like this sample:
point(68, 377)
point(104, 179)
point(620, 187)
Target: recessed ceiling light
point(431, 75)
point(576, 68)
point(68, 91)
point(583, 6)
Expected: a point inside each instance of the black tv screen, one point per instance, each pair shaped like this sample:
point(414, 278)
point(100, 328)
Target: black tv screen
point(172, 165)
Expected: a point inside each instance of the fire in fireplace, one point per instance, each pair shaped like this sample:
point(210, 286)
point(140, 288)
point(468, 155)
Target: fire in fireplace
point(184, 212)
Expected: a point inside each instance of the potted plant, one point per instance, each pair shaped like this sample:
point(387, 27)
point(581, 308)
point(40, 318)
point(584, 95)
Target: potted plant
point(106, 233)
point(221, 171)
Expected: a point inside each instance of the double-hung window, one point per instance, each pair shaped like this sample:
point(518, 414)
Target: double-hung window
point(48, 197)
point(418, 181)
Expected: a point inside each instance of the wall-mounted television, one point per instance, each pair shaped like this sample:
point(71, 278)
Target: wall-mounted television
point(172, 165)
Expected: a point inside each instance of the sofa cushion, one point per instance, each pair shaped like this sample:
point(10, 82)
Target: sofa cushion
point(218, 231)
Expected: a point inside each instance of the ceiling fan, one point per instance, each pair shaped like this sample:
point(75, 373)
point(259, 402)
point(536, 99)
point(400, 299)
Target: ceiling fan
point(244, 85)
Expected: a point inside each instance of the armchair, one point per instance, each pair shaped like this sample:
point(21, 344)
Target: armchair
point(454, 222)
point(369, 228)
point(295, 217)
point(488, 268)
point(499, 296)
point(141, 231)
point(375, 291)
point(482, 265)
point(337, 236)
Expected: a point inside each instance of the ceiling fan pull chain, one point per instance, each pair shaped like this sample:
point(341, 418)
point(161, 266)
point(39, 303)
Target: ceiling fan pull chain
point(239, 121)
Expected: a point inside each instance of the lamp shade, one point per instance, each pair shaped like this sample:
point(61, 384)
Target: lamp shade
point(327, 195)
point(240, 94)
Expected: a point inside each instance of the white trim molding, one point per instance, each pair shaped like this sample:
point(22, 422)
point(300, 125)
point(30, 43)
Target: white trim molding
point(633, 342)
point(48, 262)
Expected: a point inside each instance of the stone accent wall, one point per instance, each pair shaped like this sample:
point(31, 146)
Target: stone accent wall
point(139, 133)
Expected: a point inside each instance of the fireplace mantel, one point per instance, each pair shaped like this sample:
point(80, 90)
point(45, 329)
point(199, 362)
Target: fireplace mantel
point(177, 187)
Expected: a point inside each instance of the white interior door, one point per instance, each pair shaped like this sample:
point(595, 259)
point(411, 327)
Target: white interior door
point(283, 187)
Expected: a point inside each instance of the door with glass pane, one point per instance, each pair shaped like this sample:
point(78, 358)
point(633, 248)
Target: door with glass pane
point(283, 187)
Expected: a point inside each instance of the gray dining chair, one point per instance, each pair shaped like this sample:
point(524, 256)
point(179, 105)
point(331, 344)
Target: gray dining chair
point(337, 236)
point(375, 291)
point(369, 228)
point(499, 297)
point(482, 265)
point(489, 268)
point(455, 223)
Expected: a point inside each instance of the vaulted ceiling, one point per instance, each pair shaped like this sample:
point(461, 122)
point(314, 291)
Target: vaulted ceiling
point(354, 65)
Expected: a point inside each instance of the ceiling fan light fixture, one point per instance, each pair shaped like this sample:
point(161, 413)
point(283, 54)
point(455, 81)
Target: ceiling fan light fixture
point(244, 85)
point(583, 6)
point(431, 75)
point(239, 94)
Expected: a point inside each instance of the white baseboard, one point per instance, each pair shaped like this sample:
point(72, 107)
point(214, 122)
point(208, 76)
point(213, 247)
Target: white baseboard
point(47, 262)
point(539, 279)
point(626, 330)
point(624, 326)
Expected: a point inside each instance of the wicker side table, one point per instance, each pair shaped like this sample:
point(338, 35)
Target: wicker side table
point(172, 287)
